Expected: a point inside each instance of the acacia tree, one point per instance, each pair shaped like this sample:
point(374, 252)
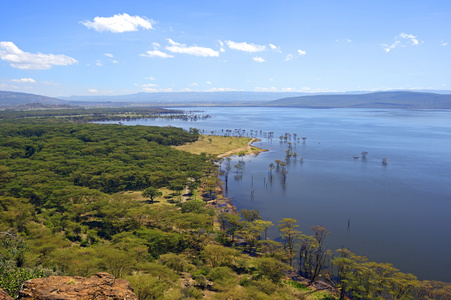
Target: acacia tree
point(264, 225)
point(312, 254)
point(151, 193)
point(250, 215)
point(290, 235)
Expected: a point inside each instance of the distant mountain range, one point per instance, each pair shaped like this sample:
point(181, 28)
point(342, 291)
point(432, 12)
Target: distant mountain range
point(188, 97)
point(400, 99)
point(10, 99)
point(391, 99)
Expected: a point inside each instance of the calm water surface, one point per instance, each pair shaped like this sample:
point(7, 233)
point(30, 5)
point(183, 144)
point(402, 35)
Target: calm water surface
point(399, 213)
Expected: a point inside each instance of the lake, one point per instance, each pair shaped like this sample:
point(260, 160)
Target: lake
point(398, 213)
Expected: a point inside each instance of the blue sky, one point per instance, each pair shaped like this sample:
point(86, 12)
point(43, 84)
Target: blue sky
point(63, 48)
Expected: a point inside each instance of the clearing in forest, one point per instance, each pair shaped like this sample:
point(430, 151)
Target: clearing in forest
point(220, 145)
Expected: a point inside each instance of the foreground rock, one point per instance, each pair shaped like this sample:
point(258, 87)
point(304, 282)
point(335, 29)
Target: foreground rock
point(100, 286)
point(4, 295)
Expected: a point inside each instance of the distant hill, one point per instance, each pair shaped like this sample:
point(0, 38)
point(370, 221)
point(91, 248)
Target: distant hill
point(392, 99)
point(398, 99)
point(9, 99)
point(188, 97)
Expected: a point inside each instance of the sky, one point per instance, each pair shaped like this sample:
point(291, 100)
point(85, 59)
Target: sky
point(63, 48)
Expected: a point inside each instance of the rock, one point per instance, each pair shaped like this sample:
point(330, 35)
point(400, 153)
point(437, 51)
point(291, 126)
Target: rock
point(4, 295)
point(101, 286)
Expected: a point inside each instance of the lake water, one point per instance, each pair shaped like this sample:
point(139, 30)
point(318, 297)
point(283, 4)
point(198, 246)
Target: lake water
point(398, 213)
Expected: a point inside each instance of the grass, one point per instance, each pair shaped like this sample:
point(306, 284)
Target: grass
point(166, 199)
point(309, 293)
point(216, 145)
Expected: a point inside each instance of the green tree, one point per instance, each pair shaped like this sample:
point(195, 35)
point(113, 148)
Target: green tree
point(312, 253)
point(151, 193)
point(290, 235)
point(250, 215)
point(270, 268)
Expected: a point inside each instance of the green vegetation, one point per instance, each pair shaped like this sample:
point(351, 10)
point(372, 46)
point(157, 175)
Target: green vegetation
point(76, 199)
point(215, 145)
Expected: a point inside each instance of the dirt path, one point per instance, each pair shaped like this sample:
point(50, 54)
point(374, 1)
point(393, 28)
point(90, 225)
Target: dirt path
point(185, 194)
point(248, 148)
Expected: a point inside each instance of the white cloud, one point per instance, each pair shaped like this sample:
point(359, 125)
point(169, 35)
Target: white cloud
point(119, 23)
point(99, 63)
point(344, 40)
point(258, 59)
point(156, 53)
point(208, 82)
point(301, 52)
point(94, 91)
point(444, 43)
point(24, 80)
point(221, 44)
point(149, 78)
point(265, 89)
point(275, 48)
point(401, 40)
point(291, 56)
point(186, 90)
point(153, 90)
point(410, 37)
point(109, 55)
point(5, 86)
point(286, 89)
point(192, 50)
point(114, 61)
point(194, 84)
point(388, 48)
point(146, 86)
point(246, 47)
point(221, 90)
point(30, 61)
point(150, 90)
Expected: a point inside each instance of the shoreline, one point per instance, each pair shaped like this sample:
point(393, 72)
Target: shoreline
point(249, 148)
point(227, 202)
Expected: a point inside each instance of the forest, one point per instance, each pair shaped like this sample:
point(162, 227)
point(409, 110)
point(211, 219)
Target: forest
point(77, 198)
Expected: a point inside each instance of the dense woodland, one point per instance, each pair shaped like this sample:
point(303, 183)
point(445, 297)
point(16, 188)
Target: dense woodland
point(67, 208)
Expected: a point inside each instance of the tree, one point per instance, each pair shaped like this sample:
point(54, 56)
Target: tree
point(12, 274)
point(290, 235)
point(271, 167)
point(250, 215)
point(270, 268)
point(219, 256)
point(312, 254)
point(264, 225)
point(151, 193)
point(238, 167)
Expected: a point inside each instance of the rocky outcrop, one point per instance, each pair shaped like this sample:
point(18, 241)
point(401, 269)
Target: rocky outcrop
point(101, 286)
point(4, 295)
